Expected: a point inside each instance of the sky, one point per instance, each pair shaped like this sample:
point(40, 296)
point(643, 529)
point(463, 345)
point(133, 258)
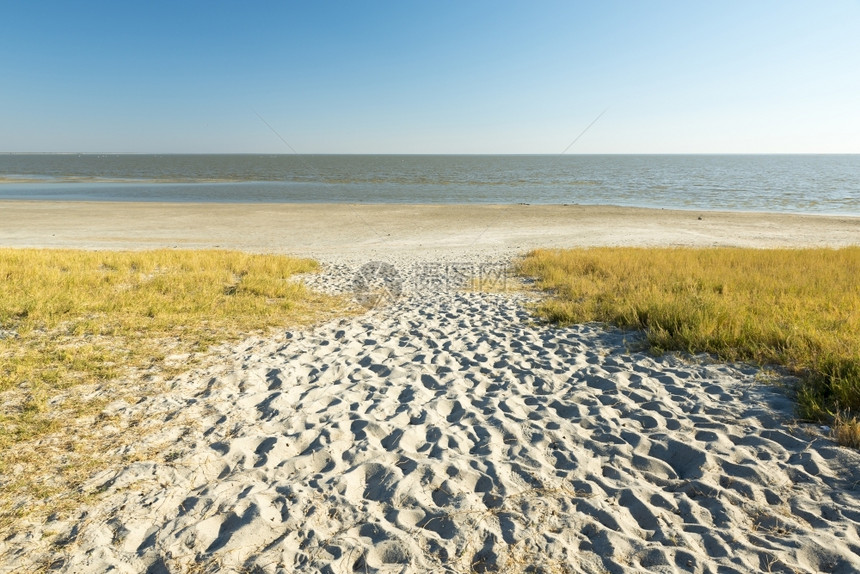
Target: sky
point(440, 76)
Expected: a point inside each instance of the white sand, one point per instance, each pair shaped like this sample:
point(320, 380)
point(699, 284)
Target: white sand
point(427, 231)
point(446, 432)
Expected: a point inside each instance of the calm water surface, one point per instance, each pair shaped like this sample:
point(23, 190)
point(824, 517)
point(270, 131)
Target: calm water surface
point(778, 183)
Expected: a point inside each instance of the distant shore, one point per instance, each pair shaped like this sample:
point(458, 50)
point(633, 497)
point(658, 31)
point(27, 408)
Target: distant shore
point(373, 229)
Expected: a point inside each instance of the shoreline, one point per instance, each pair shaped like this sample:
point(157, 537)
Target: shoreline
point(371, 203)
point(321, 229)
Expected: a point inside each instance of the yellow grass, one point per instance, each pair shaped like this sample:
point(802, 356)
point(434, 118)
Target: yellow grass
point(797, 308)
point(847, 431)
point(79, 319)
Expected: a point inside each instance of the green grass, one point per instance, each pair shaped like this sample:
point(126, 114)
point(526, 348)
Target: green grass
point(84, 319)
point(799, 308)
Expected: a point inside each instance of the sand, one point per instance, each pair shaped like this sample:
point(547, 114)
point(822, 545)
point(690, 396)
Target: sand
point(365, 231)
point(444, 430)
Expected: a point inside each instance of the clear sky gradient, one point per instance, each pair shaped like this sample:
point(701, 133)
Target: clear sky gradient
point(430, 77)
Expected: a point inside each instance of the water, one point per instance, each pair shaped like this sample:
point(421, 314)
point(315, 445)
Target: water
point(777, 183)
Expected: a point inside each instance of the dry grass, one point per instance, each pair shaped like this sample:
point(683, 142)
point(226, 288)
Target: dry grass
point(799, 308)
point(80, 329)
point(846, 431)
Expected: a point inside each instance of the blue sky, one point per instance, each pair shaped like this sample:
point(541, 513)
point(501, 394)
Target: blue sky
point(430, 77)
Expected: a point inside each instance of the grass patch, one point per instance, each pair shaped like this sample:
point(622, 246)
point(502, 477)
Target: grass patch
point(846, 431)
point(799, 308)
point(79, 329)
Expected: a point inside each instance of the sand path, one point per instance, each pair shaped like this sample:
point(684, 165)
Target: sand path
point(445, 432)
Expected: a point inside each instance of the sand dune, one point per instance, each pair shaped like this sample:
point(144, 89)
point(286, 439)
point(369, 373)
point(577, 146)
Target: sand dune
point(446, 432)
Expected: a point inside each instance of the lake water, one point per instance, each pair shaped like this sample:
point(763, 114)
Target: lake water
point(777, 183)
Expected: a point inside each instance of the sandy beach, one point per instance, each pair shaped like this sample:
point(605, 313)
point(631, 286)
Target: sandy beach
point(424, 230)
point(445, 430)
